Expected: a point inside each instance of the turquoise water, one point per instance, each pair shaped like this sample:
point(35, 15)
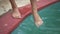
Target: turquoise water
point(51, 25)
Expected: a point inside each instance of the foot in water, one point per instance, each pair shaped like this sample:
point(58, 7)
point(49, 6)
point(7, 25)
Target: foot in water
point(38, 20)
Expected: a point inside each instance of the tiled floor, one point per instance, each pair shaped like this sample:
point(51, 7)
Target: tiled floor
point(5, 5)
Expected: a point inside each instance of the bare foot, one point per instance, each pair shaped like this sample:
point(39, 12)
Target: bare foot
point(38, 20)
point(16, 13)
point(39, 23)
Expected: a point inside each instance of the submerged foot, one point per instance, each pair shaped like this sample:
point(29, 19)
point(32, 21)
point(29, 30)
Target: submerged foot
point(38, 21)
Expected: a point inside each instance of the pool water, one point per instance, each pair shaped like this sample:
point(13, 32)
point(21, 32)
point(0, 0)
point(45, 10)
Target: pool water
point(51, 25)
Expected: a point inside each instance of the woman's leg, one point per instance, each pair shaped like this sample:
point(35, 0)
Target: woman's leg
point(15, 13)
point(38, 20)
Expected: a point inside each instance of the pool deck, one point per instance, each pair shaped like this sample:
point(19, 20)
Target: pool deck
point(5, 5)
